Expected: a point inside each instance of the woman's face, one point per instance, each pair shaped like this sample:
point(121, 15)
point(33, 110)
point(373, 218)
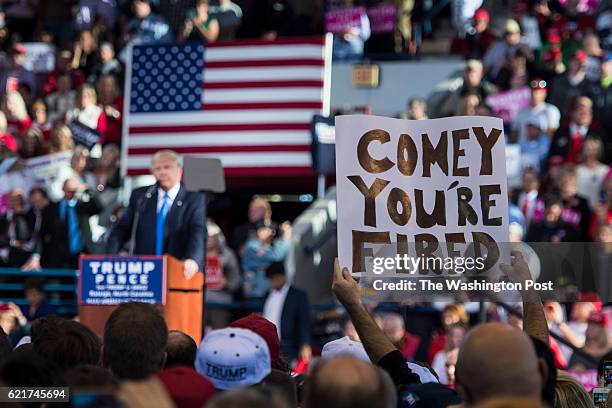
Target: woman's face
point(40, 114)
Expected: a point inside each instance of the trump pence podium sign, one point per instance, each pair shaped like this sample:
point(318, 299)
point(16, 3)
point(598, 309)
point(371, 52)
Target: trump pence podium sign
point(111, 280)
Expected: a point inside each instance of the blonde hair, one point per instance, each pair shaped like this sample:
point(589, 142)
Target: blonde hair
point(61, 139)
point(458, 311)
point(3, 123)
point(167, 155)
point(569, 393)
point(87, 89)
point(20, 111)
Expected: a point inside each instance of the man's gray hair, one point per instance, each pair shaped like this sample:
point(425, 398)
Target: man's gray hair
point(168, 155)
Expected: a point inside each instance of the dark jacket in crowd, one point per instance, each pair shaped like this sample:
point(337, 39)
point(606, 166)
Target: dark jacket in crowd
point(54, 243)
point(561, 142)
point(562, 93)
point(295, 323)
point(560, 231)
point(15, 227)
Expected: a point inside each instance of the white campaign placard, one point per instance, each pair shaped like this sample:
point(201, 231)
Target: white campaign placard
point(419, 181)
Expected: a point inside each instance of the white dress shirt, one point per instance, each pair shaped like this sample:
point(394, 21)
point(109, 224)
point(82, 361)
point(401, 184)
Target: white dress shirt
point(172, 193)
point(273, 308)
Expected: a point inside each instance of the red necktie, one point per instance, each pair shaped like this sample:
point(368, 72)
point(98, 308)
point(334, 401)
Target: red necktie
point(525, 206)
point(574, 150)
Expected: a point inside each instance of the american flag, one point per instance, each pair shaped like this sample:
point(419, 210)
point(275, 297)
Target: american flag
point(248, 103)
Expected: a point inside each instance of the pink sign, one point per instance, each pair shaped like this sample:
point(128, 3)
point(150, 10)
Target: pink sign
point(587, 378)
point(339, 20)
point(382, 18)
point(507, 104)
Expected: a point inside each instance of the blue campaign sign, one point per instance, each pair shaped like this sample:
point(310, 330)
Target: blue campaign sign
point(108, 280)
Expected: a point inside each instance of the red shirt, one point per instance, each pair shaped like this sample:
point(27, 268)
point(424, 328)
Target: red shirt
point(410, 345)
point(113, 125)
point(18, 127)
point(9, 141)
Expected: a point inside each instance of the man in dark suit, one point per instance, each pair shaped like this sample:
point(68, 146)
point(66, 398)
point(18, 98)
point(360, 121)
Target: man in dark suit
point(287, 307)
point(65, 232)
point(164, 218)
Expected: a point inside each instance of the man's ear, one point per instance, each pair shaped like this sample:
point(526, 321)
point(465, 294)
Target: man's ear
point(543, 368)
point(163, 361)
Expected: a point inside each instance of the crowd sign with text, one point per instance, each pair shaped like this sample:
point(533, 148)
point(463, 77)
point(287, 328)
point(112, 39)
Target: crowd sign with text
point(106, 280)
point(429, 189)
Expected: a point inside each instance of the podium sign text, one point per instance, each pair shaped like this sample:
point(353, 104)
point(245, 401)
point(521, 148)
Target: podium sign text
point(113, 280)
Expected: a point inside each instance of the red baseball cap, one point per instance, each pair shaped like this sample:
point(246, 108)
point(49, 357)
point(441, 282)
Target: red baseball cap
point(187, 388)
point(599, 319)
point(18, 49)
point(8, 141)
point(265, 329)
point(553, 37)
point(481, 14)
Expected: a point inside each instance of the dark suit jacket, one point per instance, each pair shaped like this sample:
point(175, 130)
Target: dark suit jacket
point(295, 323)
point(53, 244)
point(184, 233)
point(561, 141)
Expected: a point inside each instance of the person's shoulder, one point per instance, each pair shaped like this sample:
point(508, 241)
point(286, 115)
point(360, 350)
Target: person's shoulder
point(297, 291)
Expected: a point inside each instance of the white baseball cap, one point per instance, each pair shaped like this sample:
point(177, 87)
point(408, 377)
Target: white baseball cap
point(233, 358)
point(342, 347)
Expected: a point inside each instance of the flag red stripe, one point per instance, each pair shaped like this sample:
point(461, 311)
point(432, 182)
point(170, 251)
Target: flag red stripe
point(301, 62)
point(237, 127)
point(319, 40)
point(263, 105)
point(222, 149)
point(304, 83)
point(276, 171)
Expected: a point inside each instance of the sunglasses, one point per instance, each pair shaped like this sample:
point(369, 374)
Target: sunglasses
point(538, 84)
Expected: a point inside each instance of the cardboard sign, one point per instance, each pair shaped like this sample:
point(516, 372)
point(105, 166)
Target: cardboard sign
point(507, 104)
point(214, 273)
point(39, 57)
point(336, 21)
point(382, 18)
point(424, 182)
point(108, 280)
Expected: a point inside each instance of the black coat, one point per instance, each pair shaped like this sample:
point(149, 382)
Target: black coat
point(185, 231)
point(295, 323)
point(53, 244)
point(22, 233)
point(562, 139)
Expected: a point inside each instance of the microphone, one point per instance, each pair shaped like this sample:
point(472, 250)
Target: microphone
point(148, 194)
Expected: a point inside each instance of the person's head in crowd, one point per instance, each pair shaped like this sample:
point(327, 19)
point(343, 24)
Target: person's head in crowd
point(14, 106)
point(80, 156)
point(26, 368)
point(71, 187)
point(534, 128)
point(167, 168)
point(596, 332)
point(60, 139)
point(64, 83)
point(107, 88)
point(394, 327)
point(512, 32)
point(569, 393)
point(590, 45)
point(16, 200)
point(108, 163)
point(282, 384)
point(582, 113)
point(259, 210)
point(87, 42)
point(63, 61)
point(33, 290)
point(181, 349)
point(89, 377)
point(577, 66)
point(592, 149)
point(8, 319)
point(39, 112)
point(277, 275)
point(134, 341)
point(473, 73)
point(268, 331)
point(344, 346)
point(187, 388)
point(349, 330)
point(141, 8)
point(39, 199)
point(454, 313)
point(32, 143)
point(107, 52)
point(567, 182)
point(484, 110)
point(515, 234)
point(481, 20)
point(17, 55)
point(509, 402)
point(606, 66)
point(265, 231)
point(530, 181)
point(539, 91)
point(497, 360)
point(69, 344)
point(215, 237)
point(454, 335)
point(247, 398)
point(347, 382)
point(233, 357)
point(553, 210)
point(468, 105)
point(86, 96)
point(417, 109)
point(3, 123)
point(549, 370)
point(518, 65)
point(604, 234)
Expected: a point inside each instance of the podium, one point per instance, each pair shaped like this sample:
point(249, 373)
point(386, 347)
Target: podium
point(105, 281)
